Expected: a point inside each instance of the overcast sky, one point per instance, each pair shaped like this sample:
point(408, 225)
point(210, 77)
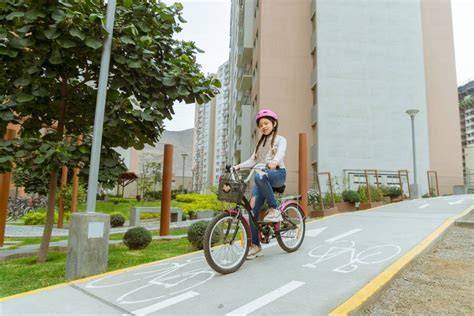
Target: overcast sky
point(208, 24)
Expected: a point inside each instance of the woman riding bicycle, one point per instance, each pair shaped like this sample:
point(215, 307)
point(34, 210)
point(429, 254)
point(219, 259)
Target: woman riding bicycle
point(270, 150)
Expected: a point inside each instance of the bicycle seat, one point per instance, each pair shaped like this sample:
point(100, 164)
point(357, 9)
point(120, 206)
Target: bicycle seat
point(280, 189)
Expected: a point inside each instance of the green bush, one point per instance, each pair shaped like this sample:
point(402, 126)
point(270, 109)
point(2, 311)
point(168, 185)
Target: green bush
point(148, 215)
point(196, 233)
point(38, 218)
point(117, 220)
point(137, 238)
point(314, 199)
point(350, 196)
point(393, 191)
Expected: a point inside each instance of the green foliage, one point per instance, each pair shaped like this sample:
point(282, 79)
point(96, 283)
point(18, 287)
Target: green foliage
point(117, 220)
point(350, 196)
point(196, 234)
point(148, 215)
point(392, 191)
point(467, 102)
point(314, 199)
point(327, 200)
point(37, 218)
point(67, 196)
point(137, 238)
point(198, 202)
point(50, 54)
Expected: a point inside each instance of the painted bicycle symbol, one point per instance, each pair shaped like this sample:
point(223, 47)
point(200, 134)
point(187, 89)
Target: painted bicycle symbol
point(161, 281)
point(371, 255)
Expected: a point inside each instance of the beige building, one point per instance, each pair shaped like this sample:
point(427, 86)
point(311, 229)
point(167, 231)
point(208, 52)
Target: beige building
point(344, 73)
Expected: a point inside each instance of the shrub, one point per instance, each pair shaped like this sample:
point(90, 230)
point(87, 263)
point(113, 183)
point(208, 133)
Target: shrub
point(314, 199)
point(148, 215)
point(37, 218)
point(137, 238)
point(117, 220)
point(196, 234)
point(350, 196)
point(394, 191)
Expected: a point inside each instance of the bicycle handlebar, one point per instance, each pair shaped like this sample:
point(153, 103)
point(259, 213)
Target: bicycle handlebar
point(233, 172)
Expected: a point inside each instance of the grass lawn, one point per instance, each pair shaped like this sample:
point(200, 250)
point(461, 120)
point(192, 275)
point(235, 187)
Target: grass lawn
point(124, 207)
point(21, 275)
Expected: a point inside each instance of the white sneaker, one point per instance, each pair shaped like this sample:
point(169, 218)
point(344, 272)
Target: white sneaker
point(273, 216)
point(254, 252)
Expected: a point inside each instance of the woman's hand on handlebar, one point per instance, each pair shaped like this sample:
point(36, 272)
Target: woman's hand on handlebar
point(272, 165)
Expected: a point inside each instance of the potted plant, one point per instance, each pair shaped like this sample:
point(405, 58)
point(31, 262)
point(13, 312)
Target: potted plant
point(350, 201)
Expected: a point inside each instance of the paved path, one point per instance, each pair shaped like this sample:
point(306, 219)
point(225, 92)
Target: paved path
point(340, 255)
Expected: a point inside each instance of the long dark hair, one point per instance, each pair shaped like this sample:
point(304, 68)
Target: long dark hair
point(264, 138)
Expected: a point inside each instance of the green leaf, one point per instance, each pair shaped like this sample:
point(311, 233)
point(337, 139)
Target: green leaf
point(77, 33)
point(20, 43)
point(66, 43)
point(169, 82)
point(127, 40)
point(3, 33)
point(147, 117)
point(216, 83)
point(55, 58)
point(93, 43)
point(146, 40)
point(33, 69)
point(120, 59)
point(58, 15)
point(21, 82)
point(109, 162)
point(183, 91)
point(24, 29)
point(9, 52)
point(128, 3)
point(134, 64)
point(5, 159)
point(51, 33)
point(24, 97)
point(179, 6)
point(7, 115)
point(34, 14)
point(16, 14)
point(41, 92)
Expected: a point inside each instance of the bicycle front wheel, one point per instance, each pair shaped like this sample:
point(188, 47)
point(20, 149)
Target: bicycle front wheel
point(292, 228)
point(226, 243)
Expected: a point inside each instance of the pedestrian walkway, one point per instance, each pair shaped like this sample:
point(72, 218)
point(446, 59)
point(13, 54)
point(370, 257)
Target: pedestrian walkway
point(344, 259)
point(18, 231)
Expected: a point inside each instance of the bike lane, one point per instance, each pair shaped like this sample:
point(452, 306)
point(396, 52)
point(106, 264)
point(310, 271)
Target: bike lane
point(340, 255)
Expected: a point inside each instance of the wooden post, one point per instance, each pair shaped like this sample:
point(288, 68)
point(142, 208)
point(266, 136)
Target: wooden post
point(61, 197)
point(303, 173)
point(437, 185)
point(368, 188)
point(377, 179)
point(75, 183)
point(166, 191)
point(5, 180)
point(408, 181)
point(401, 184)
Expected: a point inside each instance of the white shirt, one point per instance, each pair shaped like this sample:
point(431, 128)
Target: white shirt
point(266, 154)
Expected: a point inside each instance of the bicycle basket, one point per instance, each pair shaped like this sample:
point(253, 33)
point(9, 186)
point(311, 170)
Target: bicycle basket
point(230, 190)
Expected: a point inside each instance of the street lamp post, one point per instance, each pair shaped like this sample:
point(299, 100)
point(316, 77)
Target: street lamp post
point(412, 114)
point(184, 161)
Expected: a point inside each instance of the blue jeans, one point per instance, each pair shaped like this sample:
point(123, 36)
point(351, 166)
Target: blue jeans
point(263, 191)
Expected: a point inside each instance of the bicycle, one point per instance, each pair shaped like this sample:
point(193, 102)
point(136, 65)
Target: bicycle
point(17, 208)
point(227, 238)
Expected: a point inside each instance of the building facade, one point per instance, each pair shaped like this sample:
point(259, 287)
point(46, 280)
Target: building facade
point(467, 132)
point(344, 73)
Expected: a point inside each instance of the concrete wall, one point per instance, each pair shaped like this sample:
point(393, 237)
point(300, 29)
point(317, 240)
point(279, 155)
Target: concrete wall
point(285, 65)
point(441, 92)
point(370, 71)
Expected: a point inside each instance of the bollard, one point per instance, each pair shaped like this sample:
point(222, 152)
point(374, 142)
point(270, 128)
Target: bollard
point(4, 192)
point(166, 191)
point(303, 173)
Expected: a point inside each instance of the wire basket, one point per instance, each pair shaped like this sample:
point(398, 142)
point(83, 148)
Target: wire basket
point(230, 190)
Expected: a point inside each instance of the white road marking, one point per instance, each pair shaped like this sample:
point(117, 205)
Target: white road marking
point(425, 205)
point(335, 238)
point(266, 299)
point(457, 202)
point(315, 232)
point(156, 307)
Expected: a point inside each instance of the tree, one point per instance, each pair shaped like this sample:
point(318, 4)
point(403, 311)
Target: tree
point(125, 179)
point(49, 66)
point(467, 102)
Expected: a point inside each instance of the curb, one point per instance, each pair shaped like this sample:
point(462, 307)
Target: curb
point(371, 291)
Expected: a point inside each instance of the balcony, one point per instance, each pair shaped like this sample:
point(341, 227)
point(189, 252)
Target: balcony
point(314, 115)
point(314, 77)
point(314, 153)
point(314, 40)
point(245, 82)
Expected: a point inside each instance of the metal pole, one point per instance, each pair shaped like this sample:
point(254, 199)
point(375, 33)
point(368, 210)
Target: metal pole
point(100, 109)
point(184, 161)
point(414, 153)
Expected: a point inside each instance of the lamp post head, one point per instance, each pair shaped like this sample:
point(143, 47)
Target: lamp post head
point(184, 155)
point(412, 112)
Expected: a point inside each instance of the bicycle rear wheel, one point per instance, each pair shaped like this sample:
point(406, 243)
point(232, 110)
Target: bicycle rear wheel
point(226, 243)
point(292, 228)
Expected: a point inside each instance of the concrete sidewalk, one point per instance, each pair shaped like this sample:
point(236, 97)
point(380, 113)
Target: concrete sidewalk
point(343, 260)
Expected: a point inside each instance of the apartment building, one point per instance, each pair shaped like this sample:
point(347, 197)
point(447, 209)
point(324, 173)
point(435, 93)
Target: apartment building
point(221, 123)
point(467, 132)
point(203, 146)
point(344, 73)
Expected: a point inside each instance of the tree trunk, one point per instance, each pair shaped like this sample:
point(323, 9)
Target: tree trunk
point(53, 182)
point(48, 227)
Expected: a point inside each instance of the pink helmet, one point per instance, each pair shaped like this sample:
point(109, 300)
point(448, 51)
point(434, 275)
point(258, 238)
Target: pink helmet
point(266, 113)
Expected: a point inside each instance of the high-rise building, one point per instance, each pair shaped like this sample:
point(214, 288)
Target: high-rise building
point(344, 73)
point(203, 146)
point(467, 132)
point(221, 123)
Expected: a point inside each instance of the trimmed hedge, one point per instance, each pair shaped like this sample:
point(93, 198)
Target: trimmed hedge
point(137, 238)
